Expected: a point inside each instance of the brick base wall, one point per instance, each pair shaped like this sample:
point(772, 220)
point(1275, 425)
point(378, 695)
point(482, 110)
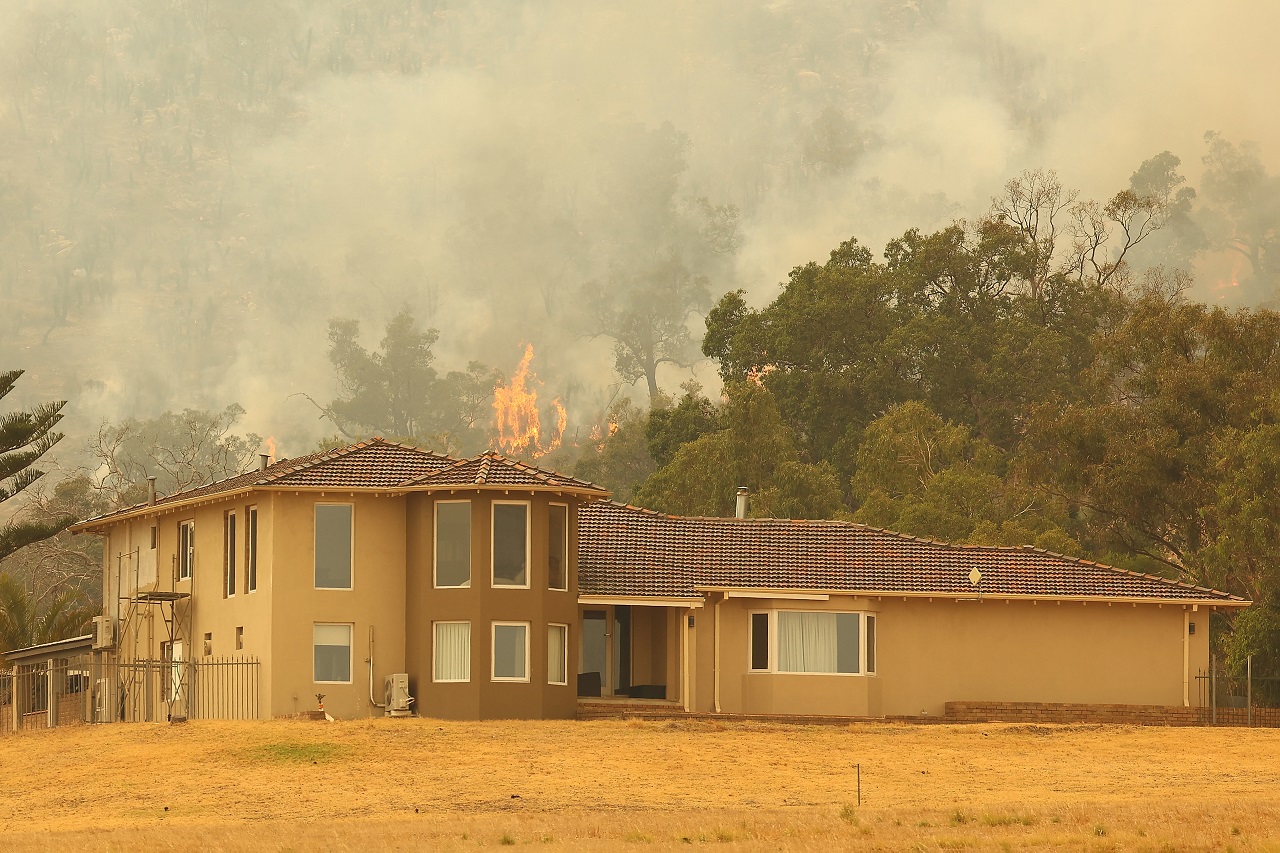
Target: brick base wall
point(1132, 715)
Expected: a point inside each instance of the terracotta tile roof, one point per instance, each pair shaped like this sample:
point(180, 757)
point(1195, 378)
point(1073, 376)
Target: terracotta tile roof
point(493, 469)
point(369, 464)
point(625, 550)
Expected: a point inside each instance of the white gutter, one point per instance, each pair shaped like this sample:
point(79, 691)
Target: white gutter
point(747, 592)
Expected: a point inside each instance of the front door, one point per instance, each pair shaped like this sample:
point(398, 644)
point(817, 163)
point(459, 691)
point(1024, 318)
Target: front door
point(593, 664)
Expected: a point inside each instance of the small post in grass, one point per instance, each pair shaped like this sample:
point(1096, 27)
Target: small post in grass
point(859, 766)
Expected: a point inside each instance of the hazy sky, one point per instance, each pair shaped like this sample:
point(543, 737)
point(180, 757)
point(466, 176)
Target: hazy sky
point(481, 163)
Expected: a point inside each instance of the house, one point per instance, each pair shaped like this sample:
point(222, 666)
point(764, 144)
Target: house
point(503, 590)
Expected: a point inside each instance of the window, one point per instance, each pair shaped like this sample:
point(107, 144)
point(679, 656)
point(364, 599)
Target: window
point(208, 644)
point(818, 642)
point(251, 549)
point(332, 653)
point(558, 546)
point(453, 543)
point(510, 544)
point(239, 637)
point(510, 651)
point(760, 641)
point(155, 536)
point(452, 648)
point(186, 549)
point(229, 554)
point(333, 546)
point(557, 654)
point(871, 644)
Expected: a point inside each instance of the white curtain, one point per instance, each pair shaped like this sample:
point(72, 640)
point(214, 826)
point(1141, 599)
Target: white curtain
point(453, 651)
point(806, 642)
point(556, 642)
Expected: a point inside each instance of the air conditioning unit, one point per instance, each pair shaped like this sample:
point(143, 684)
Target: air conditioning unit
point(398, 699)
point(104, 632)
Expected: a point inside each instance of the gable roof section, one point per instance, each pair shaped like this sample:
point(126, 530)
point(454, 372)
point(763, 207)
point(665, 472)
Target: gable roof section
point(373, 463)
point(628, 551)
point(493, 469)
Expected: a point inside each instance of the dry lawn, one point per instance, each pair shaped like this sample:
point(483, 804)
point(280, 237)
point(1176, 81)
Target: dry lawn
point(617, 785)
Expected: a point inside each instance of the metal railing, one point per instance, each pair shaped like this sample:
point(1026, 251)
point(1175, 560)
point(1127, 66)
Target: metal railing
point(1233, 700)
point(92, 689)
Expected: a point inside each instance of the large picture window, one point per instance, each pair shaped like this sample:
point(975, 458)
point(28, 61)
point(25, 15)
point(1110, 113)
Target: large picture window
point(452, 651)
point(333, 546)
point(332, 653)
point(186, 549)
point(510, 651)
point(558, 546)
point(453, 543)
point(811, 642)
point(510, 544)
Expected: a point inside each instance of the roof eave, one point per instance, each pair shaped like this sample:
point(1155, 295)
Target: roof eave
point(975, 595)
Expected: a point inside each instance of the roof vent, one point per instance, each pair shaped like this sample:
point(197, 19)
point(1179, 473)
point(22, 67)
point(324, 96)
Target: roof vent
point(263, 461)
point(743, 498)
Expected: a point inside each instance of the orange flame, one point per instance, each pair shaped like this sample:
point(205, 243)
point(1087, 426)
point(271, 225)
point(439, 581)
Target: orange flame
point(518, 420)
point(271, 448)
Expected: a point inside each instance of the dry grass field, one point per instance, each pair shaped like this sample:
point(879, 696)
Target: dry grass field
point(627, 785)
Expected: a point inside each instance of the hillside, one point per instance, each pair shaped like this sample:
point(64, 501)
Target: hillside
point(426, 784)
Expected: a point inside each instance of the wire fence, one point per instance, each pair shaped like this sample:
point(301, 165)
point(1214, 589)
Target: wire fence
point(93, 689)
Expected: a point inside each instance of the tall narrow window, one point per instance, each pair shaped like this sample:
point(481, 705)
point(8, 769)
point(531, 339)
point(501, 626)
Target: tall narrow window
point(818, 642)
point(333, 546)
point(452, 647)
point(155, 536)
point(186, 549)
point(760, 641)
point(510, 544)
point(332, 653)
point(557, 654)
point(558, 546)
point(229, 554)
point(251, 549)
point(453, 543)
point(510, 651)
point(871, 644)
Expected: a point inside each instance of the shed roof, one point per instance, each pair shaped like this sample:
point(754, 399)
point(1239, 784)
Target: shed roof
point(628, 551)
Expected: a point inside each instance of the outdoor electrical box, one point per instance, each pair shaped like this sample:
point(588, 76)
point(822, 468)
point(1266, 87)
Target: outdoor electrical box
point(398, 699)
point(104, 632)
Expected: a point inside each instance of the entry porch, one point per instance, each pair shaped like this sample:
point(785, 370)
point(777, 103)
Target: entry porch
point(636, 650)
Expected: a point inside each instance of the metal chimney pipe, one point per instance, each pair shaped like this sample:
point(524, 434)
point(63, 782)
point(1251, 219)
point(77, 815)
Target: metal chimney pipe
point(743, 497)
point(263, 461)
point(151, 491)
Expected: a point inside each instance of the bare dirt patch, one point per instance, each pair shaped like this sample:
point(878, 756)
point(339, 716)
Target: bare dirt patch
point(427, 784)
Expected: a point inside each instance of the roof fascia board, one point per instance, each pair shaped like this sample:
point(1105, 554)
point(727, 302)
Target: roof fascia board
point(157, 509)
point(49, 649)
point(794, 596)
point(975, 596)
point(641, 601)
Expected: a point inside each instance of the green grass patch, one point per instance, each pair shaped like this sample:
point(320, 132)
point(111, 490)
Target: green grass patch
point(293, 752)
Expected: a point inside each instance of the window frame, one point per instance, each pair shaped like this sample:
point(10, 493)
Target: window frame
point(564, 653)
point(435, 675)
point(186, 556)
point(528, 544)
point(493, 647)
point(229, 554)
point(435, 545)
point(250, 549)
point(351, 633)
point(567, 549)
point(866, 663)
point(351, 557)
point(771, 650)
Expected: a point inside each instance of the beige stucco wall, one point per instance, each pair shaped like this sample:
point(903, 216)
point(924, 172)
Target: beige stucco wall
point(932, 652)
point(481, 604)
point(376, 600)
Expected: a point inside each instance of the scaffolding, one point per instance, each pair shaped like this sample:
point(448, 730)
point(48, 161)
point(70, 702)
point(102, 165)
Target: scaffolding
point(140, 688)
